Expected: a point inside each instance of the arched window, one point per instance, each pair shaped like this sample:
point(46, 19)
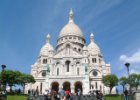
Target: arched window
point(79, 50)
point(100, 88)
point(77, 71)
point(92, 86)
point(57, 71)
point(40, 88)
point(96, 85)
point(67, 65)
point(93, 60)
point(44, 61)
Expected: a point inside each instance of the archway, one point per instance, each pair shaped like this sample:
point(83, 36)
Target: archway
point(55, 86)
point(66, 86)
point(78, 85)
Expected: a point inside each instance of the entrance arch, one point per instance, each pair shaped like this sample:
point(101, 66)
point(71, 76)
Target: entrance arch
point(78, 85)
point(55, 86)
point(66, 86)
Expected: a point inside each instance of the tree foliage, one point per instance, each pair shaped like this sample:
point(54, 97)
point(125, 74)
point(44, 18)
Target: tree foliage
point(110, 81)
point(11, 78)
point(134, 80)
point(23, 79)
point(123, 81)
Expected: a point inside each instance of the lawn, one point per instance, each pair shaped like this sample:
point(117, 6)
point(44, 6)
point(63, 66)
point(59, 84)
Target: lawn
point(16, 97)
point(113, 97)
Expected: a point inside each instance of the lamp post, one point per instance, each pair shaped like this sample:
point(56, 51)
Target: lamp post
point(127, 66)
point(2, 85)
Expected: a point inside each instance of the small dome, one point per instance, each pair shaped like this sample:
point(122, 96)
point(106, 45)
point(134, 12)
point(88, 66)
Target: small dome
point(84, 48)
point(71, 28)
point(45, 50)
point(93, 47)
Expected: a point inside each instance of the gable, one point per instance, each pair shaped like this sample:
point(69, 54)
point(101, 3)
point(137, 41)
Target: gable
point(68, 52)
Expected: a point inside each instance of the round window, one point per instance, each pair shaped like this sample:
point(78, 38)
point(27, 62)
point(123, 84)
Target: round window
point(43, 73)
point(95, 73)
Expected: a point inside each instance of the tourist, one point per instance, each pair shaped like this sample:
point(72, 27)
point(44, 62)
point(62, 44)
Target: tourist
point(101, 95)
point(62, 94)
point(79, 94)
point(126, 95)
point(98, 97)
point(46, 94)
point(71, 97)
point(67, 92)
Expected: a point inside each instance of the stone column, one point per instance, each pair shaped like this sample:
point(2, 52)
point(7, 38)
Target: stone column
point(60, 86)
point(72, 88)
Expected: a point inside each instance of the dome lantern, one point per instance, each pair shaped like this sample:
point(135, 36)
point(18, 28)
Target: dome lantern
point(48, 38)
point(71, 16)
point(91, 37)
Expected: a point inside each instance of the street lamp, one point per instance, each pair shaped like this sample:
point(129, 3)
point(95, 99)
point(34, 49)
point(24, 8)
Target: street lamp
point(2, 85)
point(127, 66)
point(3, 67)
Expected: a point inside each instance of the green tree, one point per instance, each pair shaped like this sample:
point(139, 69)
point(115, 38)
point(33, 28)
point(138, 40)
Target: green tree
point(134, 80)
point(9, 77)
point(110, 81)
point(23, 79)
point(123, 81)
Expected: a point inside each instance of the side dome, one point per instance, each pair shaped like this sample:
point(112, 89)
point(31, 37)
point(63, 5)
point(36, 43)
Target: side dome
point(93, 47)
point(71, 28)
point(47, 48)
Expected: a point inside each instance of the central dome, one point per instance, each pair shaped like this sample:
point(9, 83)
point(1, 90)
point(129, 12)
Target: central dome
point(71, 28)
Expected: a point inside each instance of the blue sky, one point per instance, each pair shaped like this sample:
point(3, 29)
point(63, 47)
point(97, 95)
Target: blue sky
point(24, 25)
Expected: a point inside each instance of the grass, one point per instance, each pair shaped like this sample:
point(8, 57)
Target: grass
point(16, 97)
point(118, 97)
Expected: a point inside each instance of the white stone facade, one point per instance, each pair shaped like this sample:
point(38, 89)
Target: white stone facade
point(72, 65)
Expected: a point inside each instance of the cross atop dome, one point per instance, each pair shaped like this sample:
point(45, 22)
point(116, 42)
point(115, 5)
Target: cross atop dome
point(48, 38)
point(91, 37)
point(71, 14)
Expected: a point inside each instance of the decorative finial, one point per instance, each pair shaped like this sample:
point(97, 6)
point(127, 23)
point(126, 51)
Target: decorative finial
point(71, 16)
point(91, 37)
point(48, 38)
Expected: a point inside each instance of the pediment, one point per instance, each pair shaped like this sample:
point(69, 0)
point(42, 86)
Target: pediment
point(68, 52)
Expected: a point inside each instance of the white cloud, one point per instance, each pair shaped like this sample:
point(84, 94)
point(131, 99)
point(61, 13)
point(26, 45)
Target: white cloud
point(134, 58)
point(134, 61)
point(134, 71)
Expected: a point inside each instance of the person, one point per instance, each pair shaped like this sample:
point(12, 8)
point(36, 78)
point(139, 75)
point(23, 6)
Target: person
point(71, 97)
point(101, 95)
point(62, 93)
point(126, 94)
point(67, 92)
point(98, 97)
point(46, 94)
point(79, 94)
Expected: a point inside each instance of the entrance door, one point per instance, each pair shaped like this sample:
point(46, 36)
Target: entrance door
point(55, 86)
point(66, 86)
point(78, 85)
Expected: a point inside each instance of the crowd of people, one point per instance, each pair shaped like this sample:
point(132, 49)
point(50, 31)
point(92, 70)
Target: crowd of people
point(61, 95)
point(67, 95)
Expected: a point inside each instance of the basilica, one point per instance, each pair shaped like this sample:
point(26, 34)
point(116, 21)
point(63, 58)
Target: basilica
point(72, 65)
